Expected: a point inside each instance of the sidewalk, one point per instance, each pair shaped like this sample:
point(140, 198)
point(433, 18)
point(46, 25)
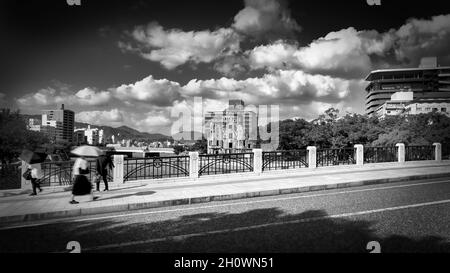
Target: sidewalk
point(183, 191)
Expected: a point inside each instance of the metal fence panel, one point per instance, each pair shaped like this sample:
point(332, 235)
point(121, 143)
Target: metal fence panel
point(334, 157)
point(155, 168)
point(282, 160)
point(380, 154)
point(226, 163)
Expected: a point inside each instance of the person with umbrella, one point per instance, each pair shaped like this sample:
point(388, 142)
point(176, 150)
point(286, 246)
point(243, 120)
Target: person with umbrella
point(34, 170)
point(104, 162)
point(81, 183)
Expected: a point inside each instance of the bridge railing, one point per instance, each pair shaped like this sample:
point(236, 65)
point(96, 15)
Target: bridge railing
point(256, 162)
point(155, 168)
point(59, 173)
point(419, 153)
point(282, 160)
point(334, 157)
point(213, 164)
point(380, 154)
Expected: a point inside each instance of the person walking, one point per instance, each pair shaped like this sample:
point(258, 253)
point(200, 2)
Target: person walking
point(104, 162)
point(36, 176)
point(81, 183)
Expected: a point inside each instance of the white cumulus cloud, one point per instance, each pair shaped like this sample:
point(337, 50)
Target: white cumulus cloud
point(175, 47)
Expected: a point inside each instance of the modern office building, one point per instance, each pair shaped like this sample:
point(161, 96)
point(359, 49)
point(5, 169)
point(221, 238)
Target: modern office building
point(232, 130)
point(403, 103)
point(58, 125)
point(428, 82)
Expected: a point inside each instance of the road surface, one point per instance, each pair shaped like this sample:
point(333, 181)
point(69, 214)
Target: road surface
point(411, 216)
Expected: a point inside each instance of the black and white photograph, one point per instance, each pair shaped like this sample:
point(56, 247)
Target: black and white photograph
point(242, 128)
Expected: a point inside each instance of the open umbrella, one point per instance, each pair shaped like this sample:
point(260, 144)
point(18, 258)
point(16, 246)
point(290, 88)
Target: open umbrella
point(32, 157)
point(88, 151)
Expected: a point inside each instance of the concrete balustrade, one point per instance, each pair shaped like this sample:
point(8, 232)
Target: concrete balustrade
point(312, 157)
point(118, 169)
point(257, 161)
point(359, 154)
point(437, 151)
point(194, 164)
point(401, 152)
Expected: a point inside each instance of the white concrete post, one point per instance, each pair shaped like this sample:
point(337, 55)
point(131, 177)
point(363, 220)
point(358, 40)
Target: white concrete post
point(24, 184)
point(437, 151)
point(194, 164)
point(312, 157)
point(401, 152)
point(118, 169)
point(257, 161)
point(359, 154)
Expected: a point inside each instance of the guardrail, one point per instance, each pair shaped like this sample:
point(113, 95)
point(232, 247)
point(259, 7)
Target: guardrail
point(282, 160)
point(60, 173)
point(419, 153)
point(334, 157)
point(195, 165)
point(380, 154)
point(225, 163)
point(155, 168)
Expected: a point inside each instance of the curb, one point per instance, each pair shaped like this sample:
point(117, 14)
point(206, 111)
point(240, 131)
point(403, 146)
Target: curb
point(206, 199)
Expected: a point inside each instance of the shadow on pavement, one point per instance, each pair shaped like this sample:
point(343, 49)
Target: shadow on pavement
point(143, 193)
point(267, 230)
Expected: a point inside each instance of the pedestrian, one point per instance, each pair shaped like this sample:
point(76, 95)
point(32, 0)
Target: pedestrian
point(35, 177)
point(104, 162)
point(81, 183)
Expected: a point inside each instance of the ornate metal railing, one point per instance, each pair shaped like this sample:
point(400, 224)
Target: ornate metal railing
point(380, 154)
point(282, 160)
point(212, 164)
point(445, 151)
point(333, 157)
point(59, 173)
point(10, 176)
point(419, 153)
point(155, 167)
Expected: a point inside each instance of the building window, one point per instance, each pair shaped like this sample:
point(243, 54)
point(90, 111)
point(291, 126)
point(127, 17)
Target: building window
point(419, 108)
point(443, 109)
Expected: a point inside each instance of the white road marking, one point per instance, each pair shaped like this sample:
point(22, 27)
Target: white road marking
point(219, 205)
point(306, 220)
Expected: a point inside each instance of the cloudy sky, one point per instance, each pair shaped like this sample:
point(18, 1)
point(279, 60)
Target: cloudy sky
point(134, 62)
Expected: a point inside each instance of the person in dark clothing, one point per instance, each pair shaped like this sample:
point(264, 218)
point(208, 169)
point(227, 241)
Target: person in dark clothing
point(104, 162)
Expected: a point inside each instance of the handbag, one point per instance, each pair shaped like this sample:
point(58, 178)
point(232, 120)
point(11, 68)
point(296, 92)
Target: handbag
point(27, 175)
point(84, 171)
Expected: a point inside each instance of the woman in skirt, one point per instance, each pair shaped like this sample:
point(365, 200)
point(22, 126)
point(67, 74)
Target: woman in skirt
point(81, 184)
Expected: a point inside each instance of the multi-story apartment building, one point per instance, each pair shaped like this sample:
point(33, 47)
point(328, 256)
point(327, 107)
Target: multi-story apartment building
point(34, 124)
point(59, 125)
point(231, 130)
point(91, 136)
point(429, 82)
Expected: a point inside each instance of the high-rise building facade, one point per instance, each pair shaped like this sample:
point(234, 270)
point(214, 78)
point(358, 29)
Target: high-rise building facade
point(58, 125)
point(231, 130)
point(430, 82)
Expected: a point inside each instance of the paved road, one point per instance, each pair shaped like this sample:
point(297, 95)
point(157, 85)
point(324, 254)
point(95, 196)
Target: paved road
point(410, 216)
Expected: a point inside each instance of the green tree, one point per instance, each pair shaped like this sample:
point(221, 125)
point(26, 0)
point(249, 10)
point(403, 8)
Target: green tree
point(14, 136)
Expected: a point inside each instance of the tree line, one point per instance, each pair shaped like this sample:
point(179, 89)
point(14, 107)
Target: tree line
point(331, 131)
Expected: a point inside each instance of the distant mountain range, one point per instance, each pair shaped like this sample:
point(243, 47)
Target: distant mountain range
point(123, 132)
